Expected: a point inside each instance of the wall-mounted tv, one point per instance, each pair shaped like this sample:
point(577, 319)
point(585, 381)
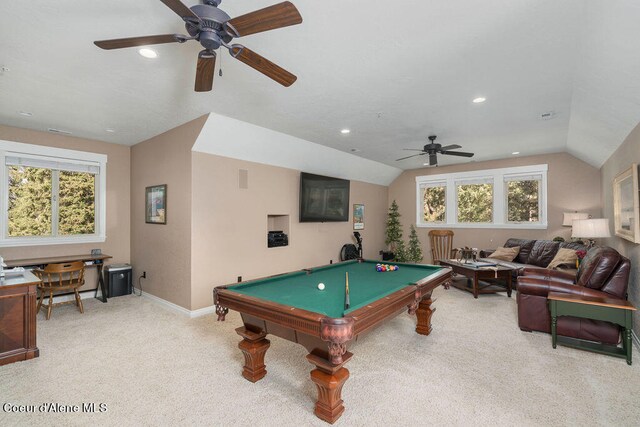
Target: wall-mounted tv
point(323, 198)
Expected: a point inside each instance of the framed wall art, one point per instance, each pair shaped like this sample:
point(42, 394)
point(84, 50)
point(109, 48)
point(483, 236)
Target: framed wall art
point(625, 204)
point(358, 217)
point(156, 204)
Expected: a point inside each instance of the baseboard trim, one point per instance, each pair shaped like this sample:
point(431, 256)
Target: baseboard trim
point(71, 297)
point(175, 307)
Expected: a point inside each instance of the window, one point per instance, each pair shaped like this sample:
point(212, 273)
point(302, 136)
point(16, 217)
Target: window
point(496, 198)
point(51, 195)
point(433, 198)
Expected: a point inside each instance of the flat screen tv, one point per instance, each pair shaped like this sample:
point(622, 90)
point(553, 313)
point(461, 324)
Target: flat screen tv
point(323, 198)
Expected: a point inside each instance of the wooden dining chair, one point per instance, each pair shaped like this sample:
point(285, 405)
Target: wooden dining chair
point(60, 277)
point(441, 244)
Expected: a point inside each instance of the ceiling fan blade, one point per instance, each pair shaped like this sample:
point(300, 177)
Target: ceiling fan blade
point(277, 16)
point(262, 65)
point(414, 155)
point(181, 10)
point(457, 153)
point(204, 71)
point(450, 147)
point(413, 149)
point(433, 159)
point(138, 41)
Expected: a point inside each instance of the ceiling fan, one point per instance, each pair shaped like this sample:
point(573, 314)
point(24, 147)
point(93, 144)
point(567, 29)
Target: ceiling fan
point(213, 28)
point(432, 149)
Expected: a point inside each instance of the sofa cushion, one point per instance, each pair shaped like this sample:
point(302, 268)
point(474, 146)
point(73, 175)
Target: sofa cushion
point(543, 252)
point(564, 256)
point(576, 246)
point(525, 248)
point(505, 254)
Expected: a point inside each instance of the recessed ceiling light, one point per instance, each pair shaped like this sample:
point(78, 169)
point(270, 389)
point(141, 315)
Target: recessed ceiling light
point(25, 113)
point(345, 131)
point(148, 53)
point(61, 131)
point(515, 152)
point(110, 130)
point(479, 100)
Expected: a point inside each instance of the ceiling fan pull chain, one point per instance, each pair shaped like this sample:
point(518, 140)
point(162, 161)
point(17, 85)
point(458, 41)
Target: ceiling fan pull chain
point(220, 69)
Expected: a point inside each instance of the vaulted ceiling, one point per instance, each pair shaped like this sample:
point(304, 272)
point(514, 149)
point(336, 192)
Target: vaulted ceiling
point(393, 72)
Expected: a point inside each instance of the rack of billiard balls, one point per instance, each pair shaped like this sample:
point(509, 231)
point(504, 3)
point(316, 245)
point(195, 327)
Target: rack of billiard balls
point(380, 268)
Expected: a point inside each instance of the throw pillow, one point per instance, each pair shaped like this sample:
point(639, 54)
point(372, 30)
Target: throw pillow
point(564, 256)
point(505, 254)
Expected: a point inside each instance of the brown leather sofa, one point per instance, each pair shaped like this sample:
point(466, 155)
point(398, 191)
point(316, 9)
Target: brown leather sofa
point(602, 273)
point(533, 254)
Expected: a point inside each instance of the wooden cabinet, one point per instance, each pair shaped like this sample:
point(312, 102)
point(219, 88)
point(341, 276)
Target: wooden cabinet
point(18, 297)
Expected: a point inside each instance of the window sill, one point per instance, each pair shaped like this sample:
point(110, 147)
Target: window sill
point(42, 241)
point(505, 226)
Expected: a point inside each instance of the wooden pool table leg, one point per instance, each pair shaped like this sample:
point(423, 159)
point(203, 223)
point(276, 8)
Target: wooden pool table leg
point(253, 346)
point(329, 379)
point(423, 315)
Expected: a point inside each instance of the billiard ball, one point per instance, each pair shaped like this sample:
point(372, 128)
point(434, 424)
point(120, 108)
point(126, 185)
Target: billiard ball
point(321, 286)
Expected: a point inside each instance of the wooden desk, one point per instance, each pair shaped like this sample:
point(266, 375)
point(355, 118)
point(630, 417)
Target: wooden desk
point(96, 260)
point(18, 295)
point(607, 309)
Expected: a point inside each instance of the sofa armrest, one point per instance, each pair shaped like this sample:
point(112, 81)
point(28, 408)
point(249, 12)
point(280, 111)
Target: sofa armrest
point(539, 286)
point(484, 253)
point(547, 273)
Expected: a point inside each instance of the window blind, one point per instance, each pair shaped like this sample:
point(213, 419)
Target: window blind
point(49, 163)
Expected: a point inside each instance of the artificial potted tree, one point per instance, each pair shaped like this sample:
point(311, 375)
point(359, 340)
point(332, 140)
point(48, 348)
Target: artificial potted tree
point(393, 236)
point(414, 250)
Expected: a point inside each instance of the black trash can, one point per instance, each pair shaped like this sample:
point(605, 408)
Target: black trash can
point(119, 280)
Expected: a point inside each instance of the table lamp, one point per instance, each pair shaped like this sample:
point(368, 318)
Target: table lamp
point(591, 229)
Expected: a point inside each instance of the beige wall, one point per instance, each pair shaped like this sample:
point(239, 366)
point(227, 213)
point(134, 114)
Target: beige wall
point(118, 226)
point(620, 160)
point(229, 228)
point(164, 251)
point(572, 185)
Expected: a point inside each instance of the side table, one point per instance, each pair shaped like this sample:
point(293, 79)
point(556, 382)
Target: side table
point(607, 309)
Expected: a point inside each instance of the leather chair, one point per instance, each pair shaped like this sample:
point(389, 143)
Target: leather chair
point(602, 273)
point(441, 244)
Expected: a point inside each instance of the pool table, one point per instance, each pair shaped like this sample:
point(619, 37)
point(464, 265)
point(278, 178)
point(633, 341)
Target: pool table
point(291, 306)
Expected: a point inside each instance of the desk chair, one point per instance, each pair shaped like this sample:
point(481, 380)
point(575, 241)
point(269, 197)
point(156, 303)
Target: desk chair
point(441, 244)
point(60, 277)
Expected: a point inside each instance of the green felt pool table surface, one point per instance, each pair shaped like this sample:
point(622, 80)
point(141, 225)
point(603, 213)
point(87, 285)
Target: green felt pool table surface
point(300, 289)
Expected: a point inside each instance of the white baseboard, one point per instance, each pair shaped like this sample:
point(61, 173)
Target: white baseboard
point(175, 307)
point(71, 297)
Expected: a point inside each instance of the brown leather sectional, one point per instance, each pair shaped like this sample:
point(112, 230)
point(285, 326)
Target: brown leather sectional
point(602, 273)
point(533, 254)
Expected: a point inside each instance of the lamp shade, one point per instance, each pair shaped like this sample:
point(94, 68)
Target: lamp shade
point(568, 217)
point(591, 228)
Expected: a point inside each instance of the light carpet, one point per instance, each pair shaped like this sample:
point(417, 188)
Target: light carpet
point(151, 366)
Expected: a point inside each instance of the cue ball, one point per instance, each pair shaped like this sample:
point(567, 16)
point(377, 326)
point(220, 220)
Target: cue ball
point(321, 286)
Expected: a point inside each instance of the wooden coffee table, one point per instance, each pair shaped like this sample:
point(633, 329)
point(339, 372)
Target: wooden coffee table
point(489, 275)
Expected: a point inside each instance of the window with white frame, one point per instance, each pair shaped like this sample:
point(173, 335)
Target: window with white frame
point(51, 195)
point(496, 198)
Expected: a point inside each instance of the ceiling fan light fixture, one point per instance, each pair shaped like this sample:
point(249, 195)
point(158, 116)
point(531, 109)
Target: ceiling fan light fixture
point(479, 100)
point(148, 53)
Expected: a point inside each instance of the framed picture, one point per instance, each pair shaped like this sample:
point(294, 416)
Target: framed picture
point(626, 209)
point(358, 217)
point(156, 204)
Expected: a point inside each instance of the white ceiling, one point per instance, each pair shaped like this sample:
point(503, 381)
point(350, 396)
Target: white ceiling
point(391, 71)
